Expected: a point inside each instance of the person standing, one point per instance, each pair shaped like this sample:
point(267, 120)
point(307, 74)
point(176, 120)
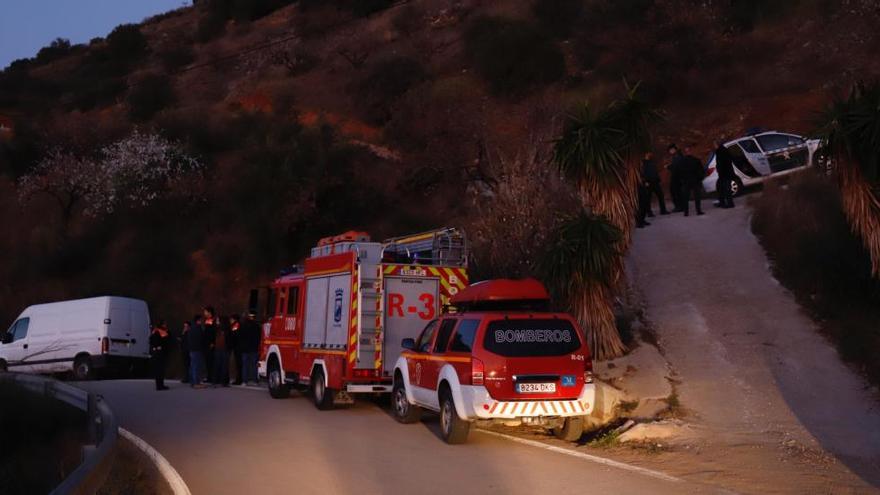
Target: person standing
point(676, 177)
point(210, 330)
point(220, 372)
point(651, 177)
point(183, 345)
point(235, 341)
point(250, 340)
point(159, 342)
point(644, 205)
point(726, 175)
point(196, 342)
point(692, 177)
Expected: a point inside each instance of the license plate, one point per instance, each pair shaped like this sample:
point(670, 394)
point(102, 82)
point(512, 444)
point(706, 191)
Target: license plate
point(536, 388)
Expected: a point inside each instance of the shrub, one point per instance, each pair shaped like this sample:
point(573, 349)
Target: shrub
point(55, 50)
point(244, 10)
point(153, 93)
point(177, 57)
point(386, 82)
point(126, 42)
point(408, 19)
point(558, 17)
point(744, 15)
point(363, 8)
point(210, 26)
point(513, 56)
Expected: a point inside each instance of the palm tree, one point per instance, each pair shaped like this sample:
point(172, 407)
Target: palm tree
point(599, 151)
point(850, 127)
point(578, 265)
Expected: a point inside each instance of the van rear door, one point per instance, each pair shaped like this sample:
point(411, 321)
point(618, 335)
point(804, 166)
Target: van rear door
point(532, 358)
point(140, 330)
point(119, 328)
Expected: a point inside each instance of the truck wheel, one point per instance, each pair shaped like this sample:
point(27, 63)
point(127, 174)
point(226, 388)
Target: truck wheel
point(82, 368)
point(322, 395)
point(571, 430)
point(404, 412)
point(277, 388)
point(454, 429)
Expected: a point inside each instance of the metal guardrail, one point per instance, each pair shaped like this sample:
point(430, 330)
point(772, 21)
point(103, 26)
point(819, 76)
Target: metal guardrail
point(102, 430)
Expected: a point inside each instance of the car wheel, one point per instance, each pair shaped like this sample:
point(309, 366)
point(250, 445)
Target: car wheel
point(736, 187)
point(277, 388)
point(322, 395)
point(82, 368)
point(454, 429)
point(404, 412)
point(571, 430)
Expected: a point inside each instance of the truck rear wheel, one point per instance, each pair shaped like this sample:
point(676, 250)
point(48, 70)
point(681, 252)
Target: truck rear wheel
point(454, 429)
point(321, 394)
point(404, 412)
point(571, 430)
point(82, 368)
point(277, 388)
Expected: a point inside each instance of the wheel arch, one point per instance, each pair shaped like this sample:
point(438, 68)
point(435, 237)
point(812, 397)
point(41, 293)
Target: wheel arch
point(448, 378)
point(319, 364)
point(402, 370)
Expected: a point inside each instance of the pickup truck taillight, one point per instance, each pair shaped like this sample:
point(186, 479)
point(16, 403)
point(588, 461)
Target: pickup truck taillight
point(105, 345)
point(588, 371)
point(477, 370)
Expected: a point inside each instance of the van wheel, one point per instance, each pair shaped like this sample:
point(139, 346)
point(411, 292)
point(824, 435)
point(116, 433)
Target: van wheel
point(404, 412)
point(454, 429)
point(82, 368)
point(3, 367)
point(277, 388)
point(571, 430)
point(322, 395)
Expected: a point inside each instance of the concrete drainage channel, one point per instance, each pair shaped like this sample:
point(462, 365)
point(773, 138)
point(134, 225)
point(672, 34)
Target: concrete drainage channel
point(103, 433)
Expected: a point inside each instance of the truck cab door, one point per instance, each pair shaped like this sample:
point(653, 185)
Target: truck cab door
point(431, 373)
point(15, 349)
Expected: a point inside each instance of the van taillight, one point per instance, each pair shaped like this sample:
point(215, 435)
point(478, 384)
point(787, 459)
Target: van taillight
point(588, 370)
point(105, 345)
point(477, 370)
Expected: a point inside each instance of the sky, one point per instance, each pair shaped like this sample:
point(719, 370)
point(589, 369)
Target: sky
point(28, 25)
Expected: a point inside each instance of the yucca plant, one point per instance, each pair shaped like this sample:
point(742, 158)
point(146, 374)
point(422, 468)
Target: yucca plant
point(850, 128)
point(599, 151)
point(578, 267)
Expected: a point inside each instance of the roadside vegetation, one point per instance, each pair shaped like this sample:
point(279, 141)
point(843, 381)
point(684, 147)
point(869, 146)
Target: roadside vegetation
point(41, 441)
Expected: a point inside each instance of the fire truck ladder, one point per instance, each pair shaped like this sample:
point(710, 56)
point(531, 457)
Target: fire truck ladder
point(369, 315)
point(447, 247)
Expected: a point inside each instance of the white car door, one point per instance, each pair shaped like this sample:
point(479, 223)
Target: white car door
point(755, 156)
point(14, 348)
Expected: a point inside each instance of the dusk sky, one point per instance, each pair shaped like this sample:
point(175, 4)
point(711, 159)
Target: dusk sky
point(28, 25)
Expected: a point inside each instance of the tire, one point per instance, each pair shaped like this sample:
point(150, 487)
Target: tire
point(277, 388)
point(404, 412)
point(571, 430)
point(321, 394)
point(82, 368)
point(454, 429)
point(736, 187)
point(3, 367)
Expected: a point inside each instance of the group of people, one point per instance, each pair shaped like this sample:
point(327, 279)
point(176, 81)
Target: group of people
point(207, 344)
point(686, 176)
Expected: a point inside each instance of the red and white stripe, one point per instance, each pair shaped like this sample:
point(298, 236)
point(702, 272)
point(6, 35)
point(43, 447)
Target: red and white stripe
point(538, 408)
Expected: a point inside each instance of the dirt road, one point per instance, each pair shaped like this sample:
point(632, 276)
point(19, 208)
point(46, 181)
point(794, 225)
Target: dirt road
point(776, 408)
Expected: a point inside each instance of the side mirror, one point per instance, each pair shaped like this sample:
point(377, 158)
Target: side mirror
point(408, 344)
point(7, 338)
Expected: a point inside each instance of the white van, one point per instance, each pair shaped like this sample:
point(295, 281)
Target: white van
point(78, 336)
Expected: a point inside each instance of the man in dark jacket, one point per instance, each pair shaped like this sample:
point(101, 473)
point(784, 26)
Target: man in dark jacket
point(235, 339)
point(676, 173)
point(222, 343)
point(250, 342)
point(183, 345)
point(196, 343)
point(651, 179)
point(210, 330)
point(726, 175)
point(159, 343)
point(692, 178)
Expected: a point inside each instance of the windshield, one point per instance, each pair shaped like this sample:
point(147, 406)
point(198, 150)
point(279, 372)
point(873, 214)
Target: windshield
point(531, 338)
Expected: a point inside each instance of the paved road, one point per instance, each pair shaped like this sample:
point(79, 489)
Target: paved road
point(241, 441)
point(753, 368)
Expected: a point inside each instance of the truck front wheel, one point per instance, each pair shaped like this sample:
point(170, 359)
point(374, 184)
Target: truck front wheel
point(404, 412)
point(277, 388)
point(321, 394)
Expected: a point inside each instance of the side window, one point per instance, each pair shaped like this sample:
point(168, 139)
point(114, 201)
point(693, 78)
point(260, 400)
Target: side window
point(20, 329)
point(424, 342)
point(270, 303)
point(773, 142)
point(463, 341)
point(282, 301)
point(293, 300)
point(749, 146)
point(443, 335)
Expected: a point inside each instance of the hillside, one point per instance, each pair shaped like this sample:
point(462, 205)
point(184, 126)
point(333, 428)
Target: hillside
point(310, 118)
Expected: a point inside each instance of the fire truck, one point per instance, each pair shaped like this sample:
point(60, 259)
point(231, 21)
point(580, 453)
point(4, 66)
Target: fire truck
point(334, 325)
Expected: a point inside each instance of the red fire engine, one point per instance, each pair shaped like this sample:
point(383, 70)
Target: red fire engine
point(335, 324)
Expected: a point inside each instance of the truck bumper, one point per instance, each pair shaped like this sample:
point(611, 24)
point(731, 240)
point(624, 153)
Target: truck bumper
point(479, 405)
